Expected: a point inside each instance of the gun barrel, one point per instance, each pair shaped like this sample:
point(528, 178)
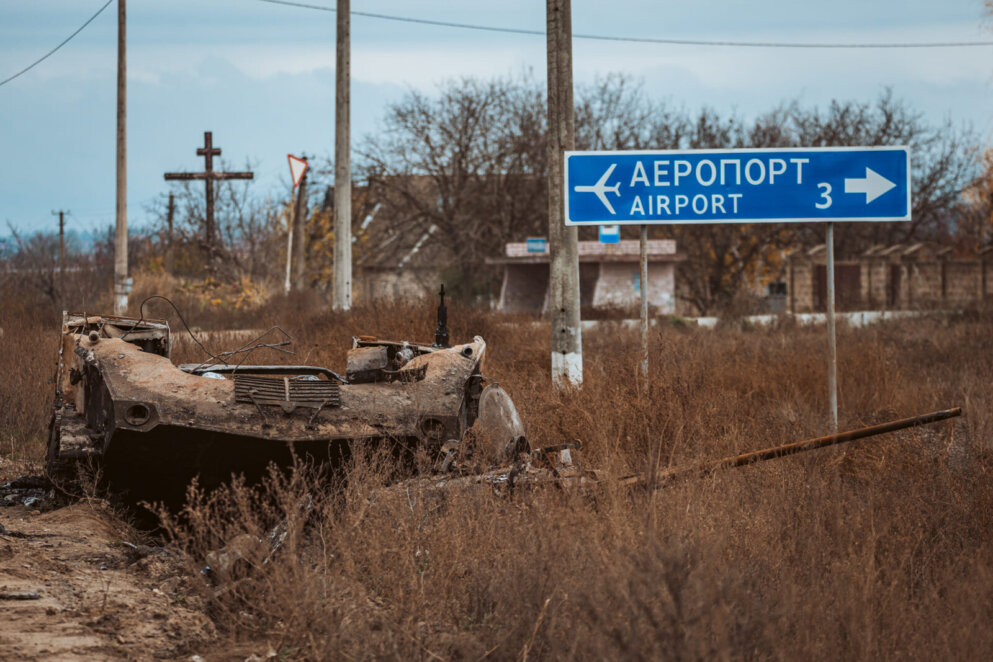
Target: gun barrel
point(810, 444)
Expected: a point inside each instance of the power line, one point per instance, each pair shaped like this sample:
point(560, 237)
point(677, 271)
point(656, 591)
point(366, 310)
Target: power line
point(524, 31)
point(644, 40)
point(64, 42)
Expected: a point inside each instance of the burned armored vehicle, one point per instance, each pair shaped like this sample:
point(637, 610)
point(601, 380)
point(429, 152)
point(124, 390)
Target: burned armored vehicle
point(148, 427)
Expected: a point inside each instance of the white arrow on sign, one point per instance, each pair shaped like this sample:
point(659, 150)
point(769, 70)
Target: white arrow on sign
point(601, 188)
point(873, 185)
point(298, 166)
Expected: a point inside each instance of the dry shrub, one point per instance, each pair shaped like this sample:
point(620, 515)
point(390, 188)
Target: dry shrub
point(877, 551)
point(790, 560)
point(27, 367)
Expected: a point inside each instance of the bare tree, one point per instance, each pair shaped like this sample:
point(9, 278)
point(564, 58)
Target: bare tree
point(614, 113)
point(943, 163)
point(719, 256)
point(249, 229)
point(974, 226)
point(467, 167)
point(31, 267)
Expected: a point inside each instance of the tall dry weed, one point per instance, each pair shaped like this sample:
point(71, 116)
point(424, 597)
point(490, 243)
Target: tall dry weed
point(878, 551)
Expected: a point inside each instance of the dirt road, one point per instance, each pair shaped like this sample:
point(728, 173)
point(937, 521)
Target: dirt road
point(73, 588)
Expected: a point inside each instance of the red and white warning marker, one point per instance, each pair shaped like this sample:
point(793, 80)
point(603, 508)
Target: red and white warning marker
point(298, 166)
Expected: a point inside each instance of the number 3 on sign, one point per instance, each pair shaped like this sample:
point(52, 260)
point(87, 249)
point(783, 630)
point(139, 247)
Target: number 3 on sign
point(825, 196)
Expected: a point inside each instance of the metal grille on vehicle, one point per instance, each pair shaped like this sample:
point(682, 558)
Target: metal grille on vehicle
point(281, 390)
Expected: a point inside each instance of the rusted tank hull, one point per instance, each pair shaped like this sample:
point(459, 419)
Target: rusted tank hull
point(159, 465)
point(150, 427)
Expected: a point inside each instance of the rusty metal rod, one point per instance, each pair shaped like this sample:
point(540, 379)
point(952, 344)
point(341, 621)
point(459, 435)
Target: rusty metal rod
point(801, 446)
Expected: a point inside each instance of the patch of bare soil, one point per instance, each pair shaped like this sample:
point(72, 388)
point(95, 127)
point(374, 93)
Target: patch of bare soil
point(71, 588)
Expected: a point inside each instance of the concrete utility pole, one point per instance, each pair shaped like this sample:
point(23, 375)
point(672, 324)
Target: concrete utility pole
point(563, 284)
point(342, 163)
point(170, 255)
point(300, 234)
point(122, 285)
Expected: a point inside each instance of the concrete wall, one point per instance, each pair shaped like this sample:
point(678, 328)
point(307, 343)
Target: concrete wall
point(603, 284)
point(618, 285)
point(388, 284)
point(875, 284)
point(800, 293)
point(895, 284)
point(963, 282)
point(924, 283)
point(525, 288)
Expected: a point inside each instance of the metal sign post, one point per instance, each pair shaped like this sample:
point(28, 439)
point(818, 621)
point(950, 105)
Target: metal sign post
point(298, 170)
point(739, 186)
point(832, 342)
point(300, 233)
point(289, 252)
point(643, 286)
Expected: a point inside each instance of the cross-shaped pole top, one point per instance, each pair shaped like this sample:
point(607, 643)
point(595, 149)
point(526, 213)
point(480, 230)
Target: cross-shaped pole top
point(208, 151)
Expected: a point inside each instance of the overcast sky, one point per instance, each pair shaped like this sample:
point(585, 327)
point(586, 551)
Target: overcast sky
point(261, 77)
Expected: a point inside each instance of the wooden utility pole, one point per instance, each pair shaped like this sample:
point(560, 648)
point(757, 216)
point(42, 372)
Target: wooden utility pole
point(62, 240)
point(300, 234)
point(209, 176)
point(170, 255)
point(122, 285)
point(342, 162)
point(563, 283)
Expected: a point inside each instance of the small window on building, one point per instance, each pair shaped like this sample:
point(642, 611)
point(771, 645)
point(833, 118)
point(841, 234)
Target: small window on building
point(777, 289)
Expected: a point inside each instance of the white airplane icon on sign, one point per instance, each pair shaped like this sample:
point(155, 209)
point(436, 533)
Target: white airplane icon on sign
point(601, 189)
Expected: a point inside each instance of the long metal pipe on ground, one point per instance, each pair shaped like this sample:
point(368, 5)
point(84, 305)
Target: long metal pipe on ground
point(796, 447)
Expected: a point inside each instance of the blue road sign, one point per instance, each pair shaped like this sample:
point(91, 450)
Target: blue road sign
point(610, 234)
point(738, 186)
point(537, 245)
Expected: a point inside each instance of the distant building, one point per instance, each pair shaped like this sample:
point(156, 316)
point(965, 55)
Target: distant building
point(397, 265)
point(404, 247)
point(390, 261)
point(898, 277)
point(609, 275)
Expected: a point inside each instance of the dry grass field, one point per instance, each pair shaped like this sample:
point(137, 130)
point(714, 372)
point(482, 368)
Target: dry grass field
point(878, 550)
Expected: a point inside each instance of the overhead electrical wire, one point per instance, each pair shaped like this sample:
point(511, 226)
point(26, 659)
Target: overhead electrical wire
point(63, 43)
point(524, 31)
point(645, 40)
